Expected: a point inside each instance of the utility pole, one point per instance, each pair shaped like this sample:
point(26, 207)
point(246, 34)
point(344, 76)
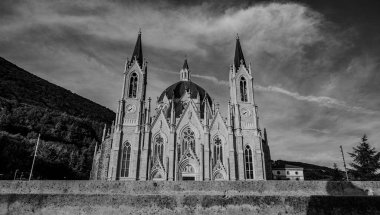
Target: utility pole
point(344, 162)
point(14, 178)
point(34, 157)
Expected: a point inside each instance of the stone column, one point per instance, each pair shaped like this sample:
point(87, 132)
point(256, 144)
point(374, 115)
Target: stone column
point(239, 146)
point(207, 157)
point(259, 160)
point(114, 157)
point(231, 156)
point(144, 158)
point(171, 168)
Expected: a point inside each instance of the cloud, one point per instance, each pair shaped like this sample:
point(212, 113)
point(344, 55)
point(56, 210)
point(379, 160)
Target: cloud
point(320, 100)
point(314, 86)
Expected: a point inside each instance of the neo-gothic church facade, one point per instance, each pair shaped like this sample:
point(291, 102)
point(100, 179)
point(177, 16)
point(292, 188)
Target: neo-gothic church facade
point(185, 137)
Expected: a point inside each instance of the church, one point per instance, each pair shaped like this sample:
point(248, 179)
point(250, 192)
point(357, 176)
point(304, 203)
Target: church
point(185, 137)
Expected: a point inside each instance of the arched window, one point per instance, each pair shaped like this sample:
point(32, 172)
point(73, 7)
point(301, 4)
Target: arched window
point(243, 90)
point(248, 163)
point(133, 86)
point(188, 140)
point(159, 148)
point(126, 159)
point(218, 150)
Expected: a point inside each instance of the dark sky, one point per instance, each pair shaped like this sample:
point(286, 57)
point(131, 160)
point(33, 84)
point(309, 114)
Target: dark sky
point(316, 63)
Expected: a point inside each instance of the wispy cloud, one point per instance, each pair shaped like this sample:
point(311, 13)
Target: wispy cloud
point(320, 100)
point(323, 101)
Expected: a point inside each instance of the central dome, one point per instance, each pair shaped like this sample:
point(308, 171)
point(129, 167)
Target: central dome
point(177, 90)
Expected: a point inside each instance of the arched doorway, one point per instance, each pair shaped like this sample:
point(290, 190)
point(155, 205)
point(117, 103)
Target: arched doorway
point(188, 170)
point(188, 173)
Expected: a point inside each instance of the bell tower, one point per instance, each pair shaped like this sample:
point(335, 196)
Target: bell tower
point(129, 128)
point(248, 137)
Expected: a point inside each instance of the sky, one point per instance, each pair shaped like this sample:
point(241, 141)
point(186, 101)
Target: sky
point(315, 64)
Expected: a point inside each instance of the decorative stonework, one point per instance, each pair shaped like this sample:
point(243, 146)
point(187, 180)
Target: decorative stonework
point(184, 137)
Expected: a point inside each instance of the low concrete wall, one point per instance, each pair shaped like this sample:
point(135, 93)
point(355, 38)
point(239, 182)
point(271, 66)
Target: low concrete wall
point(258, 197)
point(304, 188)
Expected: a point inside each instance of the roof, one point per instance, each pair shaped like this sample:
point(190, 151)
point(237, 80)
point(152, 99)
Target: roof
point(286, 166)
point(177, 90)
point(137, 52)
point(239, 57)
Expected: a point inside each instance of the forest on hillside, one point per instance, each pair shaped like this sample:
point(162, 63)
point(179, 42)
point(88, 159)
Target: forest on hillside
point(70, 127)
point(66, 147)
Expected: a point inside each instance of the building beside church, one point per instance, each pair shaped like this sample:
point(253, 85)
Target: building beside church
point(287, 172)
point(185, 137)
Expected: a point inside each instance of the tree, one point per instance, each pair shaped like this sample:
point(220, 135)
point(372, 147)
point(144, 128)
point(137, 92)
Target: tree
point(366, 160)
point(336, 174)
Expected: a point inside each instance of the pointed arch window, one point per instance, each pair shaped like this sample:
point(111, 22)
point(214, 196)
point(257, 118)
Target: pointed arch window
point(243, 90)
point(159, 148)
point(133, 86)
point(248, 163)
point(188, 140)
point(218, 150)
point(126, 159)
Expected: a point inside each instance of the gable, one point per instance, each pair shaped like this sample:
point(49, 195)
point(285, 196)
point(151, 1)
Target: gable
point(160, 124)
point(190, 118)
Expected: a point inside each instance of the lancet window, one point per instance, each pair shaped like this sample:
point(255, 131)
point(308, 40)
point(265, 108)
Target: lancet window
point(133, 86)
point(126, 159)
point(218, 150)
point(243, 90)
point(188, 140)
point(159, 148)
point(248, 163)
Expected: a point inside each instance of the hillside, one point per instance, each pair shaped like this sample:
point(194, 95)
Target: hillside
point(311, 171)
point(70, 127)
point(21, 86)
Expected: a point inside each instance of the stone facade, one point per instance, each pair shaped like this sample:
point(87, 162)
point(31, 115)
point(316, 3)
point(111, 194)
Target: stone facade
point(185, 137)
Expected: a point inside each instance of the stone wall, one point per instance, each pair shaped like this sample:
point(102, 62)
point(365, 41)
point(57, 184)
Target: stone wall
point(258, 197)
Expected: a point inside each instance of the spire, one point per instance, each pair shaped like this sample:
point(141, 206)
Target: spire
point(205, 117)
point(185, 65)
point(137, 53)
point(147, 119)
point(239, 57)
point(185, 72)
point(172, 115)
point(265, 135)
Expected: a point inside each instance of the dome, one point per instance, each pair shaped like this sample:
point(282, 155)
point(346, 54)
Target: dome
point(177, 90)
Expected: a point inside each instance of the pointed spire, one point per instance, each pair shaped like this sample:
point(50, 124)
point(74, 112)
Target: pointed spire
point(205, 117)
point(185, 65)
point(172, 115)
point(137, 53)
point(229, 118)
point(239, 57)
point(185, 71)
point(147, 119)
point(104, 132)
point(265, 135)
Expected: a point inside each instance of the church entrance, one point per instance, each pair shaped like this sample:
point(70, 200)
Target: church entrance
point(188, 173)
point(188, 178)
